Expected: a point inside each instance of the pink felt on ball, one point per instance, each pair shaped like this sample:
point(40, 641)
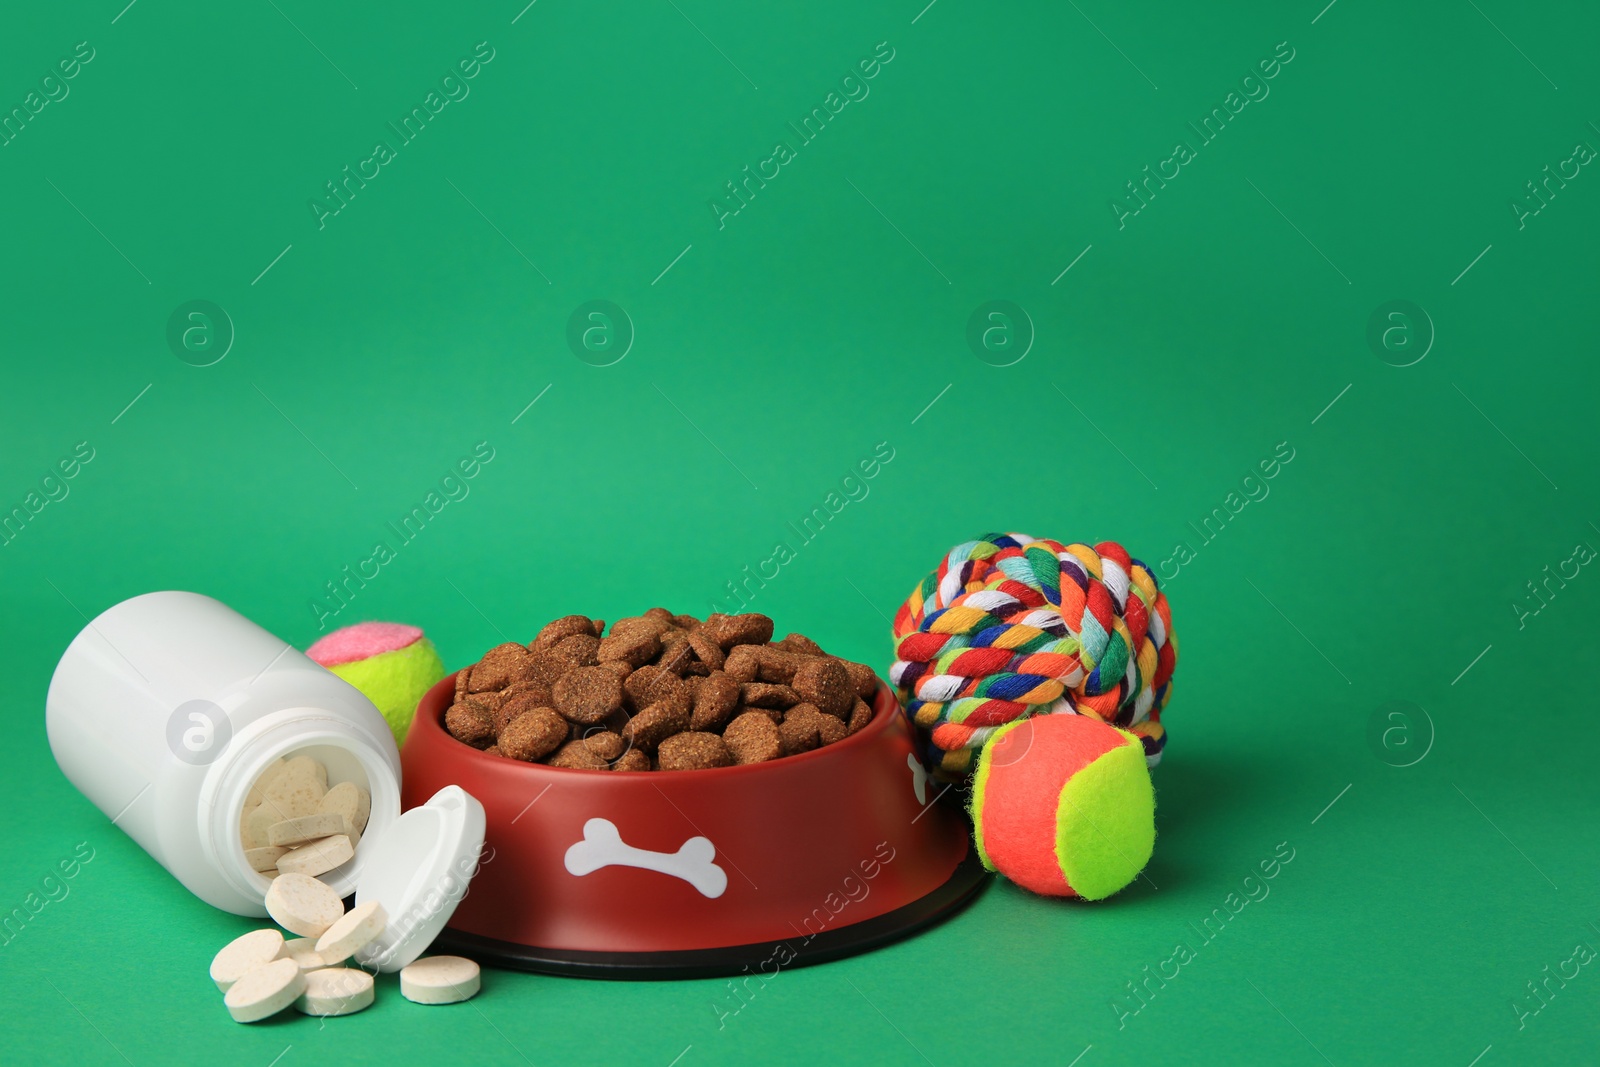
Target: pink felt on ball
point(361, 641)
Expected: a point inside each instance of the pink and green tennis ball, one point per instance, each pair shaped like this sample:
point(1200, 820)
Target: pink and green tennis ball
point(391, 663)
point(1062, 805)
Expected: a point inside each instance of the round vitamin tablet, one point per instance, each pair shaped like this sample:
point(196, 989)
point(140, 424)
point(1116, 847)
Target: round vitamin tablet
point(265, 991)
point(303, 950)
point(318, 857)
point(351, 801)
point(264, 858)
point(335, 991)
point(358, 926)
point(244, 954)
point(302, 905)
point(298, 831)
point(439, 980)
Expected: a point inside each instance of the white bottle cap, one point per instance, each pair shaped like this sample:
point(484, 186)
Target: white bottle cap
point(419, 871)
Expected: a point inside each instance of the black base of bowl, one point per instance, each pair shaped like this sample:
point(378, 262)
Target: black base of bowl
point(767, 957)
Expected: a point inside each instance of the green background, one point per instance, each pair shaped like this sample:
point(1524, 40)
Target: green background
point(1227, 318)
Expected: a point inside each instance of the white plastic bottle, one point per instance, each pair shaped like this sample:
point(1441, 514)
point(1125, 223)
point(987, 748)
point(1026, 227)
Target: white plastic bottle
point(166, 709)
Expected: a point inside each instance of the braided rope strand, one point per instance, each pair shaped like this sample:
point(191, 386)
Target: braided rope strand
point(1009, 626)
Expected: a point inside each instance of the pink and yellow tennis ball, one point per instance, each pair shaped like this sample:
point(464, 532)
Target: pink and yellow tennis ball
point(391, 663)
point(1062, 805)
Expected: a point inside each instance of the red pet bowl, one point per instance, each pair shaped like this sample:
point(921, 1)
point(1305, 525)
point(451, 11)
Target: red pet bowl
point(670, 874)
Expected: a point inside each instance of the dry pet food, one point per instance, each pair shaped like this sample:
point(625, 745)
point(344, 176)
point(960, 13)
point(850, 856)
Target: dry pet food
point(658, 692)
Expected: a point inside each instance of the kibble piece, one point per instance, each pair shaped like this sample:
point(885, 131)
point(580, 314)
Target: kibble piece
point(620, 668)
point(317, 857)
point(862, 678)
point(563, 628)
point(470, 723)
point(686, 622)
point(832, 729)
point(523, 687)
point(264, 858)
point(655, 724)
point(801, 645)
point(730, 630)
point(575, 755)
point(499, 667)
point(743, 663)
point(605, 744)
point(439, 980)
point(352, 932)
point(804, 717)
point(652, 684)
point(244, 954)
point(582, 650)
point(676, 655)
point(292, 832)
point(491, 701)
point(714, 700)
point(693, 751)
point(545, 669)
point(534, 734)
point(775, 665)
point(635, 625)
point(351, 801)
point(753, 738)
point(463, 678)
point(825, 683)
point(587, 695)
point(265, 991)
point(493, 750)
point(800, 733)
point(767, 695)
point(633, 647)
point(632, 760)
point(860, 715)
point(335, 991)
point(303, 950)
point(706, 650)
point(514, 707)
point(639, 686)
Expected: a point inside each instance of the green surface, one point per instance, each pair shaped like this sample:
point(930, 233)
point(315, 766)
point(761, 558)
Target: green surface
point(1224, 324)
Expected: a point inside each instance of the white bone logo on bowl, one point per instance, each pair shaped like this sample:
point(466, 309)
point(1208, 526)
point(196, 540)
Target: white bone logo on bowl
point(919, 778)
point(602, 846)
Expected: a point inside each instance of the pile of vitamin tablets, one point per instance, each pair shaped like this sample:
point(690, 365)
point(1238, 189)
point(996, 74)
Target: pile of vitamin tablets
point(294, 824)
point(294, 828)
point(660, 692)
point(262, 973)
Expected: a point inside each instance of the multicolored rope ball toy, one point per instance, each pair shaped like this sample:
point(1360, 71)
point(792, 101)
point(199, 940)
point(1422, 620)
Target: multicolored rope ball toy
point(1010, 626)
